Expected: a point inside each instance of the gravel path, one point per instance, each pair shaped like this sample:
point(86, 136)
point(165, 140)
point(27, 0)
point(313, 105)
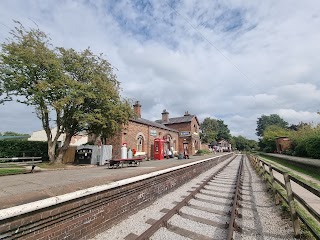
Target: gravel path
point(261, 220)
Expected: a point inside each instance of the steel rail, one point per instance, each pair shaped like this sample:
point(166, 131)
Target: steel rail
point(234, 212)
point(163, 221)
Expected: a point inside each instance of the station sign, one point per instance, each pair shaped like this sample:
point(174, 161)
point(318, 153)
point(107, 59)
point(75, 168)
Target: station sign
point(184, 134)
point(153, 132)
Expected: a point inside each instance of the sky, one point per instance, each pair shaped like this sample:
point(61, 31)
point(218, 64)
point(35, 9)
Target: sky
point(225, 59)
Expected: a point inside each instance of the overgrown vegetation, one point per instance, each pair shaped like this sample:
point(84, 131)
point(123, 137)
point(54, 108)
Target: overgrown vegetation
point(304, 137)
point(310, 171)
point(203, 152)
point(306, 141)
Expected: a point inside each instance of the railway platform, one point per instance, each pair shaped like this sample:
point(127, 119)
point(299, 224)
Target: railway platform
point(24, 188)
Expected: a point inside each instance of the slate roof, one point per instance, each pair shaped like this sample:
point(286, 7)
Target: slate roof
point(183, 119)
point(151, 123)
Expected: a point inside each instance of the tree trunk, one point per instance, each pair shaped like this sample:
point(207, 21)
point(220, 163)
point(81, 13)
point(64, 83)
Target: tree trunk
point(62, 150)
point(51, 151)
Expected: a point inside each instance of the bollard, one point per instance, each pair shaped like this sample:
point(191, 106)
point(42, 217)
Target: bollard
point(295, 220)
point(32, 168)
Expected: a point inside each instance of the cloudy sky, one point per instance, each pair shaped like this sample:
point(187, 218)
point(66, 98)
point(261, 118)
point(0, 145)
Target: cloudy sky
point(227, 59)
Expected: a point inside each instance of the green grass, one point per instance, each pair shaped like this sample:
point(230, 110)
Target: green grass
point(10, 171)
point(312, 172)
point(51, 166)
point(10, 165)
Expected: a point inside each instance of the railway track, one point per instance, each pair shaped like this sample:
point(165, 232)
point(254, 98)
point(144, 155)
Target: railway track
point(214, 203)
point(228, 201)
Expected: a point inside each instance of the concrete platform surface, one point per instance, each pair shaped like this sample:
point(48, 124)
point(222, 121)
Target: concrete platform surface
point(24, 188)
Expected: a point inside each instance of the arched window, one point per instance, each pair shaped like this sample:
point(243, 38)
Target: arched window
point(140, 141)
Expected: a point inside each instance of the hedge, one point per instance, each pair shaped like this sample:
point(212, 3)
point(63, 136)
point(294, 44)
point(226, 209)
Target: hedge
point(23, 148)
point(313, 147)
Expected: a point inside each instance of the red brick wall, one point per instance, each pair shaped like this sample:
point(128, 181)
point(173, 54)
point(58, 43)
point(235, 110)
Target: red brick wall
point(192, 127)
point(86, 217)
point(130, 134)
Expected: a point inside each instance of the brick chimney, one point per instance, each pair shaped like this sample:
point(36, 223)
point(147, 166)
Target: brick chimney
point(137, 109)
point(186, 113)
point(165, 116)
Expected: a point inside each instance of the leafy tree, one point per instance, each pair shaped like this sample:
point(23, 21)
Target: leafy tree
point(213, 130)
point(296, 127)
point(304, 139)
point(242, 143)
point(209, 130)
point(223, 131)
point(269, 137)
point(75, 91)
point(265, 121)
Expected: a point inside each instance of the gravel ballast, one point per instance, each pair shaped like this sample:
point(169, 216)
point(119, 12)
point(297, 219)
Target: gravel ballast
point(261, 219)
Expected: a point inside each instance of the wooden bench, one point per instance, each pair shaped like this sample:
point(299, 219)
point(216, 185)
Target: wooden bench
point(118, 163)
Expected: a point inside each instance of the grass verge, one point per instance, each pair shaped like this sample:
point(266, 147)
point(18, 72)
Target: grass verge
point(11, 171)
point(305, 170)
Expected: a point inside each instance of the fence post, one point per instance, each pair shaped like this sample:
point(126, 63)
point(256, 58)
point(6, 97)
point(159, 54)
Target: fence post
point(260, 169)
point(263, 174)
point(256, 163)
point(273, 186)
point(295, 220)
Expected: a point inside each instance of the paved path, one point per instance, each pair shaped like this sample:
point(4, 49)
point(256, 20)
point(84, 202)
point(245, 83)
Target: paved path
point(24, 188)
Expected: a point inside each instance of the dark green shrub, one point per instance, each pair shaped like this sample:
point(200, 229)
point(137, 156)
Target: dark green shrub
point(202, 151)
point(313, 147)
point(288, 152)
point(300, 150)
point(268, 149)
point(23, 148)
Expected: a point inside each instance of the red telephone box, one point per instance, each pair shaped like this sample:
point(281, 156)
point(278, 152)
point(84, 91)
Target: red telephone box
point(158, 149)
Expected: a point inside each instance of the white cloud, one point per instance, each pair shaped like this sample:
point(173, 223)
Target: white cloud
point(237, 61)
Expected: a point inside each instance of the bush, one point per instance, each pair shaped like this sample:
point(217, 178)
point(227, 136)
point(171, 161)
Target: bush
point(202, 151)
point(288, 152)
point(313, 147)
point(268, 149)
point(300, 150)
point(21, 148)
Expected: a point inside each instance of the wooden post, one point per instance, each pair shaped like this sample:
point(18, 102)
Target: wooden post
point(273, 186)
point(295, 220)
point(256, 163)
point(263, 174)
point(260, 167)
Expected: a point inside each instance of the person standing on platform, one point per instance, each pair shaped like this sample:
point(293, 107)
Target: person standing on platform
point(186, 154)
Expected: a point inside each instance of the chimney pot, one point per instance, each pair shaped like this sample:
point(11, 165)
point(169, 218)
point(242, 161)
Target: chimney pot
point(165, 116)
point(137, 109)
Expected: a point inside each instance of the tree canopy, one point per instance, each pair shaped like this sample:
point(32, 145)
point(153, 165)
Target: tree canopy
point(74, 91)
point(213, 130)
point(242, 143)
point(265, 121)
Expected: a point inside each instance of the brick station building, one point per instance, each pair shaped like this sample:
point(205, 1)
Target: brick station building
point(140, 133)
point(188, 127)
